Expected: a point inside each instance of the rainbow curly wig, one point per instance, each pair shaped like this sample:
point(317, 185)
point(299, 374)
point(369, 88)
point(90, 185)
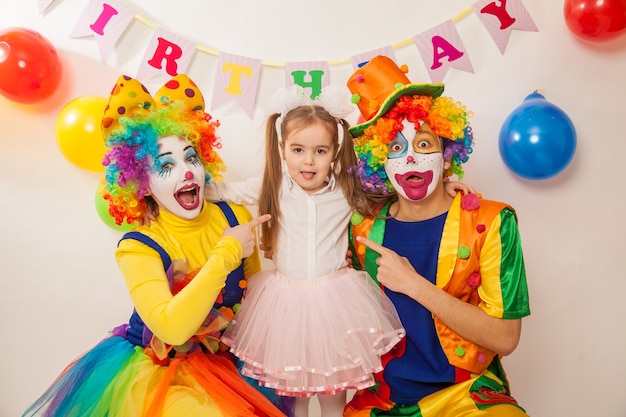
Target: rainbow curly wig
point(448, 120)
point(132, 146)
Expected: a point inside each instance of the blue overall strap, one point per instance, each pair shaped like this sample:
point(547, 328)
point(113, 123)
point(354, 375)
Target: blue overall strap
point(228, 212)
point(135, 331)
point(148, 241)
point(232, 292)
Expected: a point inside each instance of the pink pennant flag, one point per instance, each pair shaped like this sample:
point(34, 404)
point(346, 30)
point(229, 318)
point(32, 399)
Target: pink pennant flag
point(311, 74)
point(42, 5)
point(441, 47)
point(237, 78)
point(501, 17)
point(167, 54)
point(106, 20)
point(362, 58)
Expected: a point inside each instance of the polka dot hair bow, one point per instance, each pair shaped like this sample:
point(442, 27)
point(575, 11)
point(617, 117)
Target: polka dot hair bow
point(130, 98)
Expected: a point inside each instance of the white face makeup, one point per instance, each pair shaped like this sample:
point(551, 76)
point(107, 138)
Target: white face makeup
point(177, 178)
point(415, 162)
point(308, 153)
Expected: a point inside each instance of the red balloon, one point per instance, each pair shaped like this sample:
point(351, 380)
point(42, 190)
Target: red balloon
point(30, 69)
point(595, 20)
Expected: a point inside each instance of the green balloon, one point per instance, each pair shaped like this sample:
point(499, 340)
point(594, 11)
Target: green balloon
point(102, 208)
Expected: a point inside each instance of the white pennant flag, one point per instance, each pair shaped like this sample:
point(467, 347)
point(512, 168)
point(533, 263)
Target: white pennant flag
point(106, 20)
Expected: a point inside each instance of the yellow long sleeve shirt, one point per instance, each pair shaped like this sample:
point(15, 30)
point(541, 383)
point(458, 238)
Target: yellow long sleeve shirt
point(193, 245)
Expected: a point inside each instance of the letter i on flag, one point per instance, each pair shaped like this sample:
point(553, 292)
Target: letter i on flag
point(106, 21)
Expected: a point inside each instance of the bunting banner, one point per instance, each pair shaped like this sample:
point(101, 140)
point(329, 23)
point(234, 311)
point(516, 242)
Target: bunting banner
point(500, 18)
point(362, 58)
point(441, 48)
point(114, 15)
point(313, 75)
point(237, 77)
point(168, 54)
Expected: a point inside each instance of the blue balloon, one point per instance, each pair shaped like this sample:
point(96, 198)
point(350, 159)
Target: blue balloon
point(537, 140)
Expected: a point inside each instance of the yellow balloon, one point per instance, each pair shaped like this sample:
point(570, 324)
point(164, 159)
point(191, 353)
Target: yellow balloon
point(78, 132)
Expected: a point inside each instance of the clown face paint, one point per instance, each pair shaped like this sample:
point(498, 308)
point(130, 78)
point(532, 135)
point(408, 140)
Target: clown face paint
point(177, 178)
point(415, 162)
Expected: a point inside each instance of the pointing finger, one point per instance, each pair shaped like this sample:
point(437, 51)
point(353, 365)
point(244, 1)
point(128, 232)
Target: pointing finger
point(372, 245)
point(259, 220)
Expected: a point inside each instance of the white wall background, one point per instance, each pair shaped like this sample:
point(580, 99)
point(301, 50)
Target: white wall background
point(61, 290)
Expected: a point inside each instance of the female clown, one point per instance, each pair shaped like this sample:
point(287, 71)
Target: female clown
point(184, 272)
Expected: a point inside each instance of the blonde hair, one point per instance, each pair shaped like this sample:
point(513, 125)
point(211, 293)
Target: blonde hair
point(294, 121)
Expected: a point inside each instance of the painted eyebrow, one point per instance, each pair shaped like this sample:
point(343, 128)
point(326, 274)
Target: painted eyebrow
point(170, 153)
point(161, 155)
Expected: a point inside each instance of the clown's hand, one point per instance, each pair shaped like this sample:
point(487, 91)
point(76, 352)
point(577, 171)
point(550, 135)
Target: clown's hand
point(244, 233)
point(453, 187)
point(268, 253)
point(151, 214)
point(394, 271)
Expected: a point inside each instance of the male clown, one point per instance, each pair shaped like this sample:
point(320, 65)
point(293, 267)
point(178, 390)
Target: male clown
point(452, 266)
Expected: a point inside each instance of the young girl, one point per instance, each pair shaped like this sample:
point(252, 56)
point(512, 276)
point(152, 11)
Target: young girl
point(184, 272)
point(313, 325)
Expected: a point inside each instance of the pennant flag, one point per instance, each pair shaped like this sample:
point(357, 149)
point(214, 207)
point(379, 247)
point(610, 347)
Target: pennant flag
point(167, 54)
point(441, 47)
point(106, 20)
point(42, 5)
point(362, 58)
point(313, 75)
point(236, 78)
point(501, 17)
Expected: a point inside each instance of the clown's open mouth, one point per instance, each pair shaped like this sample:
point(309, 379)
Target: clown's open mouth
point(414, 178)
point(188, 197)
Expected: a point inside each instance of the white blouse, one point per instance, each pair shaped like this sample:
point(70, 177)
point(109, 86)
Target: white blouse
point(313, 236)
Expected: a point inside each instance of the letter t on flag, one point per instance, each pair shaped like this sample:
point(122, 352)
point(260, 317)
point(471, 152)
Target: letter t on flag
point(237, 78)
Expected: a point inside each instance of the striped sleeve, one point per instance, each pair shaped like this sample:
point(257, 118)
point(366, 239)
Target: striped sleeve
point(503, 289)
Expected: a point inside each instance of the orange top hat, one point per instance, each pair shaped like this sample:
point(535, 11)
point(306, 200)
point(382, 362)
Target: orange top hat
point(377, 85)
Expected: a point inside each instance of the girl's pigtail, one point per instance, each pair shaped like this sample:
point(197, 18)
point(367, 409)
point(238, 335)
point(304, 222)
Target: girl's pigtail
point(358, 199)
point(272, 175)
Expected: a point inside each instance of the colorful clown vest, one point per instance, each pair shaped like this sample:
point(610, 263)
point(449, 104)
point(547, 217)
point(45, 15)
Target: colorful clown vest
point(464, 236)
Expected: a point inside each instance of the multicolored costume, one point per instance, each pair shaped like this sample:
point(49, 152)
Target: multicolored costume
point(184, 278)
point(472, 251)
point(478, 260)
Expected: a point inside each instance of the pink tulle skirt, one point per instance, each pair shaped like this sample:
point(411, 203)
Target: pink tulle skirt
point(323, 335)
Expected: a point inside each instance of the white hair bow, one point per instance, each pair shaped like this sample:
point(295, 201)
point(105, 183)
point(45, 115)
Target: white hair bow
point(334, 100)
